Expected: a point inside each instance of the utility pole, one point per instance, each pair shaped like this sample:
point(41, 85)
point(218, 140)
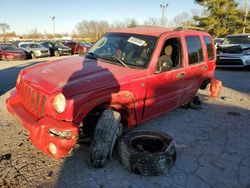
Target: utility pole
point(54, 25)
point(163, 8)
point(245, 16)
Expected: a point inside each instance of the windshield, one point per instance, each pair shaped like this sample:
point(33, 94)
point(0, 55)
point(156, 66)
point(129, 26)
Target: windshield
point(85, 44)
point(35, 46)
point(10, 48)
point(237, 40)
point(131, 49)
point(59, 44)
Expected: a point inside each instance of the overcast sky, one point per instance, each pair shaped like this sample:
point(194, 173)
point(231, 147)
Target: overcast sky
point(25, 15)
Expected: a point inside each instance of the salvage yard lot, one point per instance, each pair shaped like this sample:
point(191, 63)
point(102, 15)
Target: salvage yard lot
point(212, 142)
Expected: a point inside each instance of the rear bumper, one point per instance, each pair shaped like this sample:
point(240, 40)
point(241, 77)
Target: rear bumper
point(39, 128)
point(16, 58)
point(65, 52)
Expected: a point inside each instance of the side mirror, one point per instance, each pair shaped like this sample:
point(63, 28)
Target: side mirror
point(164, 67)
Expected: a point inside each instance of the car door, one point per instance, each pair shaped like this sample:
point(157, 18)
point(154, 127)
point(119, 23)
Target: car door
point(196, 65)
point(165, 89)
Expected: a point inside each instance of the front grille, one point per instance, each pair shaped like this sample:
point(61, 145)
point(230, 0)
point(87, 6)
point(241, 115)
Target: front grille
point(33, 100)
point(229, 62)
point(44, 51)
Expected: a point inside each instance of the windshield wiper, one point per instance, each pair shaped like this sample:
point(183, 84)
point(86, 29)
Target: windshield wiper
point(120, 61)
point(91, 55)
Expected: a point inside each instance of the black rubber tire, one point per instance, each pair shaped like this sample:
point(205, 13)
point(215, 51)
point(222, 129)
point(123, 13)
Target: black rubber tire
point(33, 56)
point(144, 162)
point(104, 137)
point(57, 53)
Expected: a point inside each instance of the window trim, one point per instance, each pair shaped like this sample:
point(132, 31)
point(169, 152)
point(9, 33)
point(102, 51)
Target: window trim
point(182, 54)
point(202, 48)
point(210, 39)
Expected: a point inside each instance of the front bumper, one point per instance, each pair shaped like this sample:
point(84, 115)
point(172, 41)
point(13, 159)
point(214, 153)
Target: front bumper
point(65, 52)
point(232, 60)
point(39, 128)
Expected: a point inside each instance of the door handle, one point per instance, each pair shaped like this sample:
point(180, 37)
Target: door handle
point(180, 74)
point(204, 67)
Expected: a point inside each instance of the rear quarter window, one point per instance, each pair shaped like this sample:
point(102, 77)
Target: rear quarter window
point(195, 53)
point(209, 45)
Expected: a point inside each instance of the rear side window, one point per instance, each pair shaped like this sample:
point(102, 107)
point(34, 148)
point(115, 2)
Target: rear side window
point(195, 54)
point(210, 51)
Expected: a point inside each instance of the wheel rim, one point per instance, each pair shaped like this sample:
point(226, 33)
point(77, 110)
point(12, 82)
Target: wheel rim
point(56, 53)
point(33, 56)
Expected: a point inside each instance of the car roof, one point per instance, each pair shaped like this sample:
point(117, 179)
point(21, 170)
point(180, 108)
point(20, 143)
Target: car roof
point(156, 30)
point(239, 35)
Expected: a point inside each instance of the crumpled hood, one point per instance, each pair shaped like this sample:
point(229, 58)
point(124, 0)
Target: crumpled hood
point(77, 75)
point(233, 48)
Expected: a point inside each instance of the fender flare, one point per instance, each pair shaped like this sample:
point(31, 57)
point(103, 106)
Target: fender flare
point(123, 102)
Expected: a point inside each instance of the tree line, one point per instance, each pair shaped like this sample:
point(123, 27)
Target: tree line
point(218, 17)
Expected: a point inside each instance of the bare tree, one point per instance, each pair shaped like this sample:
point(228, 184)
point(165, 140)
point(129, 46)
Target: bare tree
point(92, 29)
point(181, 20)
point(33, 34)
point(152, 22)
point(131, 22)
point(4, 27)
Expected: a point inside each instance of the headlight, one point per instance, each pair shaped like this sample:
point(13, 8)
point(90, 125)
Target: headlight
point(246, 52)
point(59, 103)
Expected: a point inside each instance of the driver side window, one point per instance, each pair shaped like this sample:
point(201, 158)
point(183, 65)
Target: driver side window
point(171, 56)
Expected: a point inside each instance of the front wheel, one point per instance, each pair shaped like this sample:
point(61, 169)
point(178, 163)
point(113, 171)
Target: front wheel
point(57, 54)
point(108, 129)
point(33, 55)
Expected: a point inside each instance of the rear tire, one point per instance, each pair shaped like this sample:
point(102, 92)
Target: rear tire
point(108, 129)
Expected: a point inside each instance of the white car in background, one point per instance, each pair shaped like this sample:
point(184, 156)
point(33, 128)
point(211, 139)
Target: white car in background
point(234, 51)
point(35, 49)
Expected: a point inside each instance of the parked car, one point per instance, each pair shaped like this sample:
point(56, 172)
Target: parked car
point(11, 52)
point(128, 76)
point(35, 49)
point(57, 48)
point(218, 41)
point(78, 47)
point(234, 51)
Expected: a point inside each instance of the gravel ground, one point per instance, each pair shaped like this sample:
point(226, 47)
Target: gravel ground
point(212, 145)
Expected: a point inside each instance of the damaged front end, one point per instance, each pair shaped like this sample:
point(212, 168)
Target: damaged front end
point(53, 137)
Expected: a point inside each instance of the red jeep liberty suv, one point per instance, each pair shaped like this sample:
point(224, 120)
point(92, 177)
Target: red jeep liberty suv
point(127, 77)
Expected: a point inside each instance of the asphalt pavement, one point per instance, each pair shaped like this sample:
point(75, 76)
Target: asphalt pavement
point(212, 143)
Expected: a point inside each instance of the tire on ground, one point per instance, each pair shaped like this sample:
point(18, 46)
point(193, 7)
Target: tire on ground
point(147, 153)
point(106, 133)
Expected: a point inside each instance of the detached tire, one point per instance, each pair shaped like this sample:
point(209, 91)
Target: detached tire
point(147, 153)
point(108, 129)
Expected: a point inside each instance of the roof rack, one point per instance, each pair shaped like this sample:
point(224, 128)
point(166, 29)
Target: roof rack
point(191, 28)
